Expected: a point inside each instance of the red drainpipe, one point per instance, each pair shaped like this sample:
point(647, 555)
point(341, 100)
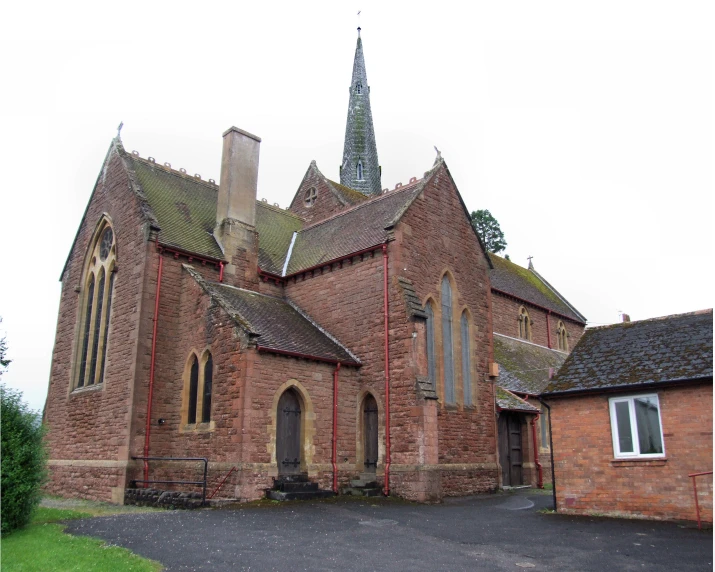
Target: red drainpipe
point(387, 374)
point(548, 329)
point(540, 483)
point(147, 432)
point(220, 272)
point(335, 428)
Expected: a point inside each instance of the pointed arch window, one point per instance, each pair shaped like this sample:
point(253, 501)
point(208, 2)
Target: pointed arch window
point(431, 366)
point(359, 171)
point(198, 390)
point(525, 324)
point(96, 305)
point(358, 88)
point(466, 359)
point(562, 337)
point(447, 345)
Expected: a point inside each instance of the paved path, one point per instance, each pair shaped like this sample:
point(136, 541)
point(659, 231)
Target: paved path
point(494, 532)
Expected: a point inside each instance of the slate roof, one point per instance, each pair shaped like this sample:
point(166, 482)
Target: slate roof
point(528, 285)
point(661, 350)
point(352, 230)
point(510, 402)
point(185, 208)
point(350, 196)
point(523, 366)
point(274, 324)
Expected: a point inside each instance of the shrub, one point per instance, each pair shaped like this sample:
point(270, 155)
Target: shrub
point(23, 460)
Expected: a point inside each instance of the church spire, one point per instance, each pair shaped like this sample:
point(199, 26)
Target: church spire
point(360, 169)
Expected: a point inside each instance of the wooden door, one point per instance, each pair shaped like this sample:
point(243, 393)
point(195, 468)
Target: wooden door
point(510, 454)
point(288, 449)
point(370, 433)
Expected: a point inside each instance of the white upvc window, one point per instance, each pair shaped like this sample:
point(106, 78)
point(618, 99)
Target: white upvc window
point(636, 427)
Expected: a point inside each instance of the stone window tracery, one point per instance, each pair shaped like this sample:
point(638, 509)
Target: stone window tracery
point(96, 305)
point(311, 196)
point(562, 337)
point(198, 390)
point(525, 324)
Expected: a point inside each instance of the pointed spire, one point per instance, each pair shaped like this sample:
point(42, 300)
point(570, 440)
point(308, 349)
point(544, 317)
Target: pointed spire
point(360, 169)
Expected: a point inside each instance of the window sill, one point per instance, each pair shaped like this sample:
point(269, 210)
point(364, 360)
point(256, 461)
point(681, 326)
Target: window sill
point(199, 427)
point(636, 461)
point(450, 406)
point(87, 389)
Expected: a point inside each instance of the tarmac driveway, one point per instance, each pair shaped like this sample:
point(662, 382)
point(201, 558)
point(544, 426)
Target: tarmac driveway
point(490, 532)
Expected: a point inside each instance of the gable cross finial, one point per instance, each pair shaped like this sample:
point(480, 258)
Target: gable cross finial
point(531, 264)
point(119, 129)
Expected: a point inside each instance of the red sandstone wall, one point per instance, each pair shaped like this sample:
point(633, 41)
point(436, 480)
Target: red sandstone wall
point(88, 430)
point(589, 479)
point(326, 205)
point(506, 321)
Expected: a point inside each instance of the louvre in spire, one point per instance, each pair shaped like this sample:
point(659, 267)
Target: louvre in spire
point(360, 168)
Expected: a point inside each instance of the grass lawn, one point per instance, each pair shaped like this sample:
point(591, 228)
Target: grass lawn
point(42, 546)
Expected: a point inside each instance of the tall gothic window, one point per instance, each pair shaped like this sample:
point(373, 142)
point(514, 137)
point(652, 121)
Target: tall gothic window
point(466, 359)
point(447, 346)
point(525, 324)
point(431, 366)
point(562, 337)
point(96, 305)
point(359, 171)
point(198, 389)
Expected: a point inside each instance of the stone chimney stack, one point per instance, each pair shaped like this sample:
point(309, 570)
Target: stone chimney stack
point(236, 206)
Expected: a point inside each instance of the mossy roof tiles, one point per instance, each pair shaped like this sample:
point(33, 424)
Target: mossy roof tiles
point(350, 196)
point(510, 402)
point(185, 209)
point(353, 230)
point(523, 366)
point(274, 324)
point(626, 355)
point(527, 285)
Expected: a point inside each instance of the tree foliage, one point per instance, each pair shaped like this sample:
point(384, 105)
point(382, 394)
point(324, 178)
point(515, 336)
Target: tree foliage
point(488, 229)
point(22, 457)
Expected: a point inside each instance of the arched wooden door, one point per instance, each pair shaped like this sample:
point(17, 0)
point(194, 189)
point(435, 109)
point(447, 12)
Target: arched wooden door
point(288, 449)
point(369, 427)
point(510, 453)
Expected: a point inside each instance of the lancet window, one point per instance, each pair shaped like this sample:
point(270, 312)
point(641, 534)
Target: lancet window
point(198, 389)
point(96, 306)
point(447, 345)
point(562, 337)
point(466, 359)
point(524, 324)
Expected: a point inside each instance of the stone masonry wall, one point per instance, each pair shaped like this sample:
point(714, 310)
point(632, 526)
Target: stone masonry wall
point(326, 203)
point(88, 428)
point(589, 479)
point(506, 322)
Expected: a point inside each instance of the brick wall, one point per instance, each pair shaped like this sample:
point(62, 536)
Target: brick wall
point(506, 321)
point(88, 429)
point(589, 480)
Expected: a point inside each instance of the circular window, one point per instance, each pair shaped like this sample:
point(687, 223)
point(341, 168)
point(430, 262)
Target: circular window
point(106, 244)
point(310, 195)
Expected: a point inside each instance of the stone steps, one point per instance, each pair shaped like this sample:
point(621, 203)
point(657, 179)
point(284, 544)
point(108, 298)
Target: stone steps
point(296, 487)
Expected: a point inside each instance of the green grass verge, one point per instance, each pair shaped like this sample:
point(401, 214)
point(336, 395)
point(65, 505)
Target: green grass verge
point(43, 546)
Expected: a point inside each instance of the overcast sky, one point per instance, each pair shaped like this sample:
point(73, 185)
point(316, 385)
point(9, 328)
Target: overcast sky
point(586, 128)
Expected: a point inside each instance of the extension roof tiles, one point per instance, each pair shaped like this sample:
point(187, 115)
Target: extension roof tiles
point(275, 324)
point(506, 400)
point(185, 208)
point(672, 349)
point(523, 366)
point(526, 284)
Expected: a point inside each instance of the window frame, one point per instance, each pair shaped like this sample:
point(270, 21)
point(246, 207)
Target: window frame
point(193, 398)
point(636, 454)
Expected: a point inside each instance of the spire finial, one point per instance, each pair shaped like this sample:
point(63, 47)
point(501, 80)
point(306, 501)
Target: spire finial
point(358, 17)
point(119, 129)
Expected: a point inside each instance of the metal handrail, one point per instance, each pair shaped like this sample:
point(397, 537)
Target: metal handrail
point(695, 492)
point(222, 482)
point(204, 460)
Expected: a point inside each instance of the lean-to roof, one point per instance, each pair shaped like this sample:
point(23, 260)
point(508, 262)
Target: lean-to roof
point(523, 366)
point(274, 324)
point(506, 400)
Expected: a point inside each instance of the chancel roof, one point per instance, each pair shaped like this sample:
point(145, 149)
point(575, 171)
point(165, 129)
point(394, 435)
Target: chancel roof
point(274, 324)
point(661, 350)
point(526, 284)
point(524, 367)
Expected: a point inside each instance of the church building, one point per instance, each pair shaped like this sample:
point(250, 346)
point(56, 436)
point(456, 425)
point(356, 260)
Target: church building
point(347, 339)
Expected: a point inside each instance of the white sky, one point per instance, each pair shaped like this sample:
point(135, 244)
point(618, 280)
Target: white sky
point(586, 128)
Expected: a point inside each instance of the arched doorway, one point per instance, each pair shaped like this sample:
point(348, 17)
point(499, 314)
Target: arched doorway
point(510, 453)
point(369, 428)
point(288, 445)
